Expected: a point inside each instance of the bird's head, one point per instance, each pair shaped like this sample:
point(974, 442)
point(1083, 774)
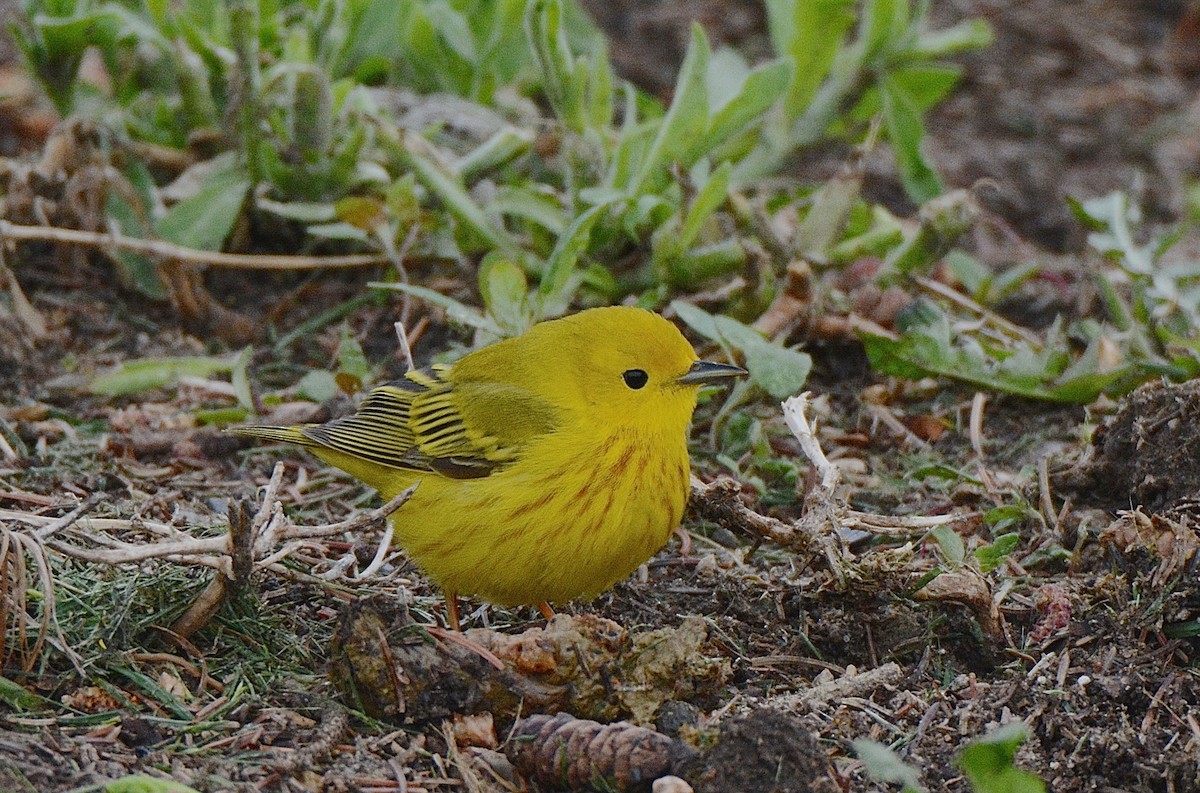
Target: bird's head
point(624, 365)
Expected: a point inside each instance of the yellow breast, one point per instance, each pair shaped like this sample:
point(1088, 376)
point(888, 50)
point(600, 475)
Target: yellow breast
point(570, 519)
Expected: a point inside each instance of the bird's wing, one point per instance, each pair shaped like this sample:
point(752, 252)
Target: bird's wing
point(426, 423)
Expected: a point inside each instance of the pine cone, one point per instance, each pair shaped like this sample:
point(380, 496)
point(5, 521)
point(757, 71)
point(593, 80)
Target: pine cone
point(566, 751)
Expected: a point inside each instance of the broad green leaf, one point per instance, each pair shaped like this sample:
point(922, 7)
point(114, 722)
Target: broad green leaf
point(760, 90)
point(140, 783)
point(988, 762)
point(555, 287)
point(457, 312)
point(204, 220)
point(902, 118)
point(992, 556)
point(686, 119)
point(951, 544)
point(779, 371)
point(504, 290)
point(809, 33)
point(141, 375)
point(318, 386)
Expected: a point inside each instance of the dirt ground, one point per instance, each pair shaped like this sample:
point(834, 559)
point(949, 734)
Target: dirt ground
point(1089, 632)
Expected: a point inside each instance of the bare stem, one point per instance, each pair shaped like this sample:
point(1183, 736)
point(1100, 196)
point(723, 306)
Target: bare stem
point(184, 255)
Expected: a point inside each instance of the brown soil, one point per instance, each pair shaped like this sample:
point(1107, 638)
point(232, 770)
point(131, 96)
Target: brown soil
point(1093, 642)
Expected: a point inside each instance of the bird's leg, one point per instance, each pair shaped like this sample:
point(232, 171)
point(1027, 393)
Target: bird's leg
point(547, 612)
point(452, 611)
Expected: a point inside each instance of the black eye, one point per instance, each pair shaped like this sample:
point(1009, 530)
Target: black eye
point(635, 378)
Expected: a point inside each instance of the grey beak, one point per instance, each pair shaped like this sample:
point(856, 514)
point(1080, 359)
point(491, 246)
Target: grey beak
point(708, 372)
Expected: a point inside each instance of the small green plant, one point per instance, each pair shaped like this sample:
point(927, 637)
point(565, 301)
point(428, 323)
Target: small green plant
point(285, 94)
point(1152, 329)
point(1154, 307)
point(987, 763)
point(931, 342)
point(891, 65)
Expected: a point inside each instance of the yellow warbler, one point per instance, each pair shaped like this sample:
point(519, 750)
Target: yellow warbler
point(550, 465)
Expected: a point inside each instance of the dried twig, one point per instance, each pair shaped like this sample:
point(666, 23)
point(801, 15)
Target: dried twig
point(259, 544)
point(184, 255)
point(825, 511)
point(851, 684)
point(29, 317)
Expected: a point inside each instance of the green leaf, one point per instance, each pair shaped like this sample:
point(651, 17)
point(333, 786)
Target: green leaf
point(531, 205)
point(350, 358)
point(884, 765)
point(928, 345)
point(318, 386)
point(374, 34)
point(551, 53)
point(992, 556)
point(831, 207)
point(504, 289)
point(146, 373)
point(140, 783)
point(950, 543)
point(139, 271)
point(239, 376)
point(710, 198)
point(757, 93)
point(1006, 515)
point(686, 119)
point(19, 697)
point(556, 284)
point(457, 312)
point(988, 763)
point(155, 691)
point(884, 24)
point(906, 130)
point(809, 34)
point(204, 220)
point(779, 371)
point(221, 417)
point(970, 34)
point(944, 472)
point(417, 154)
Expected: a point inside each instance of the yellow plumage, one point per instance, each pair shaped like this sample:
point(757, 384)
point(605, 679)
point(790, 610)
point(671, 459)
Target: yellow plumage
point(550, 465)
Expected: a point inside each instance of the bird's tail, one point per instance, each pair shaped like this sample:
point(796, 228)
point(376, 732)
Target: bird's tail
point(280, 434)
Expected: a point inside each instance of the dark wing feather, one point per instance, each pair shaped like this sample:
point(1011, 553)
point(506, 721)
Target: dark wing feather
point(426, 423)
